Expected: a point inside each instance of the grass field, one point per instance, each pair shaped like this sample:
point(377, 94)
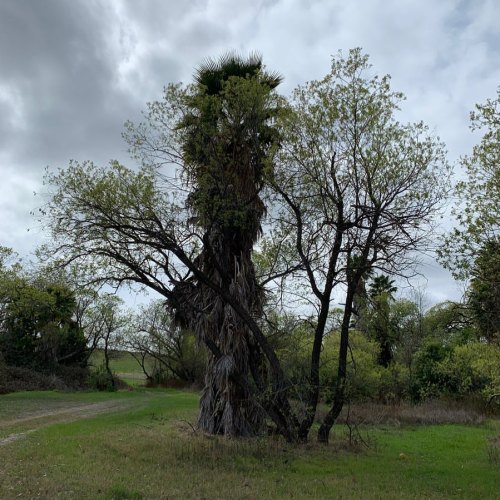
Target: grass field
point(140, 444)
point(123, 364)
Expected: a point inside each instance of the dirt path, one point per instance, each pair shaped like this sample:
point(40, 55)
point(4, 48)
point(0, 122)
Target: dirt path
point(14, 437)
point(42, 418)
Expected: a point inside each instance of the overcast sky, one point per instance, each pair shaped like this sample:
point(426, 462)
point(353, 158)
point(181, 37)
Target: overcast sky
point(73, 71)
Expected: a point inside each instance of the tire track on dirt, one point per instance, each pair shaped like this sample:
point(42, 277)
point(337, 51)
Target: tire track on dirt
point(44, 418)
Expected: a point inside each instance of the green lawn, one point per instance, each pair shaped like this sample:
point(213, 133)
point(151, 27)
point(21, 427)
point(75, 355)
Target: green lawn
point(142, 446)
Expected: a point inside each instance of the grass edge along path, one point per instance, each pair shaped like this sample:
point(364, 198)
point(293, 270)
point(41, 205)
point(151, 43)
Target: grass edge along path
point(149, 450)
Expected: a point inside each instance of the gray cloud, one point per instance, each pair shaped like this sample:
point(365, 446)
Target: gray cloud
point(57, 69)
point(74, 71)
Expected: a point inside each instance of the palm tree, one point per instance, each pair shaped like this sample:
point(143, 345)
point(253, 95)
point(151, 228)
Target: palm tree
point(382, 291)
point(382, 285)
point(227, 139)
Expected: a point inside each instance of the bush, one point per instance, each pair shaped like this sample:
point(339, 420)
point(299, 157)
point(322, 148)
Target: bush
point(429, 381)
point(15, 378)
point(75, 377)
point(472, 369)
point(366, 378)
point(394, 383)
point(159, 377)
point(101, 380)
point(464, 370)
point(294, 354)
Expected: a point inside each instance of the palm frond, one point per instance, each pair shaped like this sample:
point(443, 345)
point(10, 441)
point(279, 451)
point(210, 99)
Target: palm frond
point(212, 73)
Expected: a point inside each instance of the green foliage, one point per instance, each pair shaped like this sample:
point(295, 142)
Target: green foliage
point(213, 73)
point(484, 291)
point(366, 378)
point(100, 379)
point(292, 339)
point(478, 207)
point(159, 376)
point(406, 321)
point(472, 368)
point(449, 323)
point(227, 140)
point(381, 292)
point(459, 371)
point(428, 379)
point(190, 364)
point(37, 328)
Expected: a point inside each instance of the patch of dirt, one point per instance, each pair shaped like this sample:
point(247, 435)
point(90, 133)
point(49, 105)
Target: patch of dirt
point(14, 437)
point(43, 418)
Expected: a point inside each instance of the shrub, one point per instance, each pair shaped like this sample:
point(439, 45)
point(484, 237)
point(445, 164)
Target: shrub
point(159, 376)
point(429, 381)
point(15, 378)
point(472, 368)
point(394, 383)
point(464, 370)
point(366, 378)
point(101, 380)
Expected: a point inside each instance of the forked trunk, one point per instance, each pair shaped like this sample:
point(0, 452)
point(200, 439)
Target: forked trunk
point(339, 396)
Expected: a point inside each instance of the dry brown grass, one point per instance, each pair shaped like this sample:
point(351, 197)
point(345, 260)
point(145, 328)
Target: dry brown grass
point(430, 412)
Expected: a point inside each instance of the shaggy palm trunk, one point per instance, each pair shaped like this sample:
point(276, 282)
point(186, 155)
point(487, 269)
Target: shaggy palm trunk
point(226, 406)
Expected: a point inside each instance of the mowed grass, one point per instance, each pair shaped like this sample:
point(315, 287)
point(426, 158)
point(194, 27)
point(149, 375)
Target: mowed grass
point(147, 449)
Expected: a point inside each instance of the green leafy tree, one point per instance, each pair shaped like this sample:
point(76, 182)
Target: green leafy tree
point(483, 297)
point(357, 191)
point(478, 208)
point(37, 328)
point(471, 250)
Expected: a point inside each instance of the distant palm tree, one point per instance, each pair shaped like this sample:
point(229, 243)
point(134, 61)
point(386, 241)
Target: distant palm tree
point(227, 139)
point(382, 292)
point(382, 285)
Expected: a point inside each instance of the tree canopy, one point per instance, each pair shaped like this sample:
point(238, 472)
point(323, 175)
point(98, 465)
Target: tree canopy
point(478, 207)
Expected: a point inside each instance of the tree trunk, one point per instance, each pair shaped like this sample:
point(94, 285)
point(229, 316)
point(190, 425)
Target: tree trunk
point(226, 406)
point(339, 397)
point(313, 396)
point(106, 361)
